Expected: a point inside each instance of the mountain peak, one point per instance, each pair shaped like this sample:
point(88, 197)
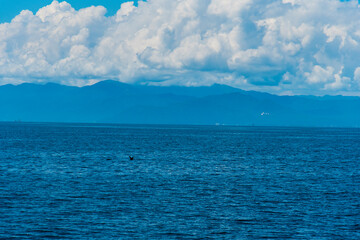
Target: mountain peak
point(110, 83)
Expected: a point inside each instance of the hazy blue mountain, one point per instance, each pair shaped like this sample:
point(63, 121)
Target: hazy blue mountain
point(115, 102)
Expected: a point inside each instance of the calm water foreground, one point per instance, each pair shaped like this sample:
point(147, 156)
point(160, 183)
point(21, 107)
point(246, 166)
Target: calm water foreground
point(62, 181)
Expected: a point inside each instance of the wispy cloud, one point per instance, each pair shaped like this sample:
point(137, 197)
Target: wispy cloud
point(280, 46)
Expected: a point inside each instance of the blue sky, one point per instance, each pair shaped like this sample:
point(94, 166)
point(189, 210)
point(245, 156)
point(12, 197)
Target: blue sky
point(277, 46)
point(10, 8)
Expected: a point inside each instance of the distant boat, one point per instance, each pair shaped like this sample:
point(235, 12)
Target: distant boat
point(131, 157)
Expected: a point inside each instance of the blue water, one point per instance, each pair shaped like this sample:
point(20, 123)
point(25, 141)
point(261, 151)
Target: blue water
point(63, 181)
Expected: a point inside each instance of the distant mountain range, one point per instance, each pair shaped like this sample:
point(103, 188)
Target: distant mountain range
point(115, 102)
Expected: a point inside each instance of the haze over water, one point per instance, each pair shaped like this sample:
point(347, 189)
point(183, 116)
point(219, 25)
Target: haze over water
point(186, 182)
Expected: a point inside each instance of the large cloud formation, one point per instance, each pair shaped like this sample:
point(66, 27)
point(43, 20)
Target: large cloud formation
point(281, 46)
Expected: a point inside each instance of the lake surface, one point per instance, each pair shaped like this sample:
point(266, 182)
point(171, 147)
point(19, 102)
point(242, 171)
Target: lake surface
point(73, 181)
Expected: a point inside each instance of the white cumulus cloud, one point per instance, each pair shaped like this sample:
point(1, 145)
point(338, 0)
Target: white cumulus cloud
point(281, 46)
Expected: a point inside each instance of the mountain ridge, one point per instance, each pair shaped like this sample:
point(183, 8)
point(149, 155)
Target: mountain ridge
point(115, 102)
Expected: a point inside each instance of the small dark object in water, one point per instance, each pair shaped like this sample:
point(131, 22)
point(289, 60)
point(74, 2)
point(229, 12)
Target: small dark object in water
point(108, 159)
point(131, 157)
